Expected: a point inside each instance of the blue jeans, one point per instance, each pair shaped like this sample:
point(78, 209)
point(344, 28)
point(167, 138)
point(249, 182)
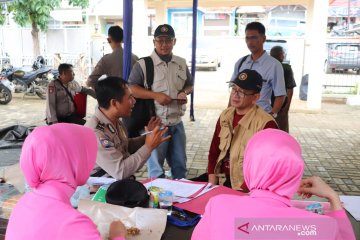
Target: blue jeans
point(173, 150)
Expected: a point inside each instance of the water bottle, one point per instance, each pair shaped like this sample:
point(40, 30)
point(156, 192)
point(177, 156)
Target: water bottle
point(168, 174)
point(82, 192)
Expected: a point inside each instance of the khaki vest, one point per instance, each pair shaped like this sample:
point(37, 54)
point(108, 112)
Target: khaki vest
point(236, 139)
point(169, 78)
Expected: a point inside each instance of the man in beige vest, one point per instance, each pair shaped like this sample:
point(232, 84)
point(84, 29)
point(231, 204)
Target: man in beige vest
point(235, 126)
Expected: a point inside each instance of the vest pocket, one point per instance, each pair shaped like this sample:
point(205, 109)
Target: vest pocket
point(180, 81)
point(160, 83)
point(225, 139)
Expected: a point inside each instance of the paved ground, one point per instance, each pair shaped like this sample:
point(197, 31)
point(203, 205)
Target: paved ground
point(330, 138)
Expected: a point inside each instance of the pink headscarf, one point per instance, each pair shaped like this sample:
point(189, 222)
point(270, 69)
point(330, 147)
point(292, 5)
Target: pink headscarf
point(58, 156)
point(273, 162)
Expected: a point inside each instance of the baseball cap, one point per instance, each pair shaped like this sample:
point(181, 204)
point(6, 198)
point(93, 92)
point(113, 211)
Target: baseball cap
point(248, 80)
point(164, 30)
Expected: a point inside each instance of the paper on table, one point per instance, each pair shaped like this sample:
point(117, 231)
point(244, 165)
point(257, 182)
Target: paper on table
point(103, 214)
point(100, 180)
point(352, 205)
point(208, 187)
point(179, 188)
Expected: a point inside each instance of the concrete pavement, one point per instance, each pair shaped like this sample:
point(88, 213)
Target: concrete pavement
point(330, 138)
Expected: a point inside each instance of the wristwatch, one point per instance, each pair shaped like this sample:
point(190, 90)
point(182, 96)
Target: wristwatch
point(274, 115)
point(184, 91)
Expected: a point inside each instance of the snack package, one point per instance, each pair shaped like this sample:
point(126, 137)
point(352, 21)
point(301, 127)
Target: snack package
point(140, 222)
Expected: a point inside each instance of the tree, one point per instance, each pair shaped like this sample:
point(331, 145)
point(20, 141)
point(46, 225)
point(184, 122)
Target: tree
point(37, 13)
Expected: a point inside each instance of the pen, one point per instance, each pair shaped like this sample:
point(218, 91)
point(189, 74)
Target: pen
point(146, 133)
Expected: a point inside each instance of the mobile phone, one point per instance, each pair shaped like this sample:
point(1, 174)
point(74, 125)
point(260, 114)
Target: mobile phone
point(178, 214)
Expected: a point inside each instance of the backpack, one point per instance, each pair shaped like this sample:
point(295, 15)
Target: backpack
point(242, 61)
point(143, 109)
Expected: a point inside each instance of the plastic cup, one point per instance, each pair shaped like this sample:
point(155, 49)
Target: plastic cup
point(166, 200)
point(154, 196)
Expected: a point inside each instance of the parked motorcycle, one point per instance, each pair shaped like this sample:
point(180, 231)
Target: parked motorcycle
point(31, 83)
point(6, 90)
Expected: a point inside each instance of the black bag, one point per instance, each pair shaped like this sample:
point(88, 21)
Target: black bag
point(144, 109)
point(127, 193)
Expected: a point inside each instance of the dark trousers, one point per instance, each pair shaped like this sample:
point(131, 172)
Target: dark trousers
point(282, 120)
point(72, 119)
point(204, 178)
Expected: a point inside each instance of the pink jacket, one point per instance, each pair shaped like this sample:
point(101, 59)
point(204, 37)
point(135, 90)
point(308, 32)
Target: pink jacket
point(273, 168)
point(55, 160)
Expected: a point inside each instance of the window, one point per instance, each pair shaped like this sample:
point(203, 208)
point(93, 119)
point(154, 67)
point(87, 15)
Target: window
point(182, 23)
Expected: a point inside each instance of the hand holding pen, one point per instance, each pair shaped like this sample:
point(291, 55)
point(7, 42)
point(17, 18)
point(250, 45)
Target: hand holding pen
point(155, 138)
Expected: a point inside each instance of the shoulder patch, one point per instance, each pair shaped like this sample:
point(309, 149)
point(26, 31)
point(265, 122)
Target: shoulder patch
point(101, 126)
point(51, 89)
point(105, 142)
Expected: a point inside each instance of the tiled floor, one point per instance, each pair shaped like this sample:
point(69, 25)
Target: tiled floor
point(330, 138)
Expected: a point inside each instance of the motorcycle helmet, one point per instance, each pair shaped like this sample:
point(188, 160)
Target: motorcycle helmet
point(39, 62)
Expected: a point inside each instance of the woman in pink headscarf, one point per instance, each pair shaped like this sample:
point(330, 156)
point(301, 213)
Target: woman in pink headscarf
point(273, 168)
point(55, 160)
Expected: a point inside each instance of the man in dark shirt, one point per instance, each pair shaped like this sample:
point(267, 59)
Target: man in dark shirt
point(282, 118)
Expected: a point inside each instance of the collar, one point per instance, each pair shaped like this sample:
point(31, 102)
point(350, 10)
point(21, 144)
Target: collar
point(245, 121)
point(157, 60)
point(119, 49)
point(276, 199)
point(260, 60)
point(102, 118)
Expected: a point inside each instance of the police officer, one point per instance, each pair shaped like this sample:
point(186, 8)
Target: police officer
point(111, 64)
point(119, 156)
point(60, 105)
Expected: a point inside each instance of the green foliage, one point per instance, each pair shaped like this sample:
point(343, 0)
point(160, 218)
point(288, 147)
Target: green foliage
point(37, 12)
point(2, 16)
point(79, 3)
point(355, 89)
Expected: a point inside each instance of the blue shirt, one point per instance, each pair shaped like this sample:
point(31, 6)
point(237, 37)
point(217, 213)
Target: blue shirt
point(273, 77)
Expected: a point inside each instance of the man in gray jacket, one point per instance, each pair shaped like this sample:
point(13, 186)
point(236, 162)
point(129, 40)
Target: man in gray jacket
point(111, 64)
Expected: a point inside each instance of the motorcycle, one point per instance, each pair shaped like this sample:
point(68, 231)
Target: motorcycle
point(31, 83)
point(6, 90)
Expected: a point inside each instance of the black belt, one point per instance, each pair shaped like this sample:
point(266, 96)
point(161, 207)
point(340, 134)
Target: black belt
point(102, 172)
point(99, 173)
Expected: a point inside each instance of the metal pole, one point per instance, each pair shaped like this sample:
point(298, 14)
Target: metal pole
point(193, 58)
point(348, 18)
point(127, 19)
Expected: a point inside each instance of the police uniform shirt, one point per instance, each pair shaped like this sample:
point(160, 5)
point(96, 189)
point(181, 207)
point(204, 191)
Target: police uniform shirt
point(117, 155)
point(58, 102)
point(111, 65)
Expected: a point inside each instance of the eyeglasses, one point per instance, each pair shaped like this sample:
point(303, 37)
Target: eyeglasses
point(240, 93)
point(164, 41)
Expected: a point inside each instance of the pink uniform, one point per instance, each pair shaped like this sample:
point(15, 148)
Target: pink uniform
point(55, 160)
point(273, 168)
